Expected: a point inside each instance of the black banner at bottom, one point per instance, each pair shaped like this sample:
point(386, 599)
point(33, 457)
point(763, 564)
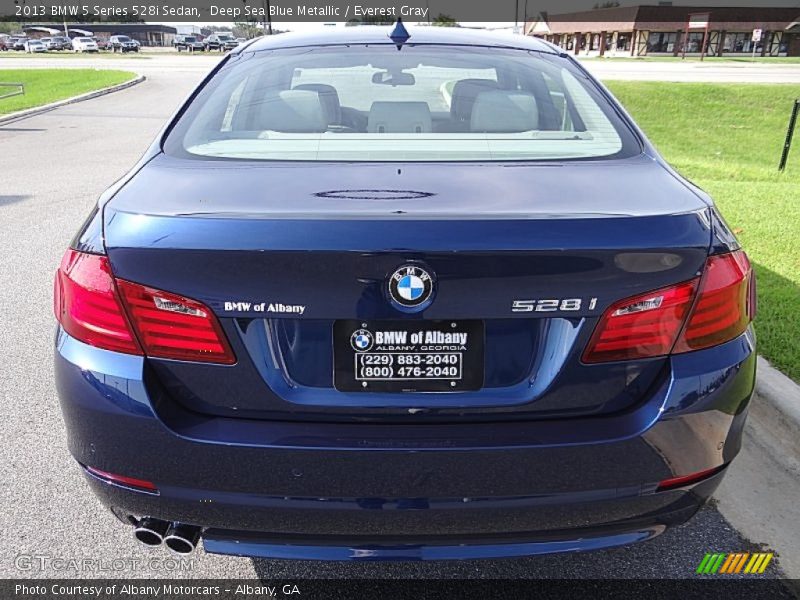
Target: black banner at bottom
point(386, 589)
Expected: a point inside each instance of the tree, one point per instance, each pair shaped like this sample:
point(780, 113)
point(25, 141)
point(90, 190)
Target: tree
point(247, 29)
point(215, 28)
point(371, 20)
point(444, 21)
point(610, 4)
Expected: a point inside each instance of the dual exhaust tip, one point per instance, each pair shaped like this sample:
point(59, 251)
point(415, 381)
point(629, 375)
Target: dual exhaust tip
point(180, 538)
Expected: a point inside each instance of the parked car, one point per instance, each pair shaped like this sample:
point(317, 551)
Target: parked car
point(189, 43)
point(18, 43)
point(122, 43)
point(34, 46)
point(60, 43)
point(379, 356)
point(57, 43)
point(84, 44)
point(4, 43)
point(103, 43)
point(220, 41)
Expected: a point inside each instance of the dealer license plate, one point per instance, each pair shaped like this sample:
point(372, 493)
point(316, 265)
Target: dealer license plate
point(408, 356)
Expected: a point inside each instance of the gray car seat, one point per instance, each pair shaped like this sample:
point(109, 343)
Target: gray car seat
point(504, 111)
point(329, 98)
point(399, 117)
point(463, 98)
point(292, 111)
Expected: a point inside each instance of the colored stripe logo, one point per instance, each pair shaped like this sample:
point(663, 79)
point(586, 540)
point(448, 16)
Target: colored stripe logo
point(734, 562)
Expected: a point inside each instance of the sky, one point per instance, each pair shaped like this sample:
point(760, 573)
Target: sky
point(289, 26)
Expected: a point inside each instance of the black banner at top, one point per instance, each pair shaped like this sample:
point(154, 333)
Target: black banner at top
point(383, 11)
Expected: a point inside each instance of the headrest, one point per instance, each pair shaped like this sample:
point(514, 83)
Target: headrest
point(463, 96)
point(399, 117)
point(504, 111)
point(329, 98)
point(292, 111)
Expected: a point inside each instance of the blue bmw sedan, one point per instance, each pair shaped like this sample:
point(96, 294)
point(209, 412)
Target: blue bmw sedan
point(403, 294)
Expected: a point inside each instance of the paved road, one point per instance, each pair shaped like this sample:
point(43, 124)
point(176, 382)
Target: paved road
point(710, 71)
point(693, 71)
point(46, 506)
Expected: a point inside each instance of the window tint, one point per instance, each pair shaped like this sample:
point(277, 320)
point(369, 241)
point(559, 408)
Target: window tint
point(424, 103)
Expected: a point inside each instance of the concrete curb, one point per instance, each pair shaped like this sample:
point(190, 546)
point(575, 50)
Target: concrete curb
point(783, 396)
point(30, 112)
point(758, 496)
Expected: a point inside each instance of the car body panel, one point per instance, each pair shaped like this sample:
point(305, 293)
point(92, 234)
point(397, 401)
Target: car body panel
point(636, 187)
point(269, 459)
point(221, 218)
point(418, 35)
point(266, 482)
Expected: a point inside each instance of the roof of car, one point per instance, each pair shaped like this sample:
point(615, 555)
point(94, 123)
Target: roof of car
point(417, 35)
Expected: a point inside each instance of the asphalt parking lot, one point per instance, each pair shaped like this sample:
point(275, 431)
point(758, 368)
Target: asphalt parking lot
point(53, 167)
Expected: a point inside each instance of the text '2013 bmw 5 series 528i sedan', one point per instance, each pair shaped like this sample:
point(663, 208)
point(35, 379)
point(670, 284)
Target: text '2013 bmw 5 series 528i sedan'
point(427, 296)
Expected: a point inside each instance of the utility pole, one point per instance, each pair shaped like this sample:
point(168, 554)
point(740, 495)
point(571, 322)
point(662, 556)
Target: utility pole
point(66, 31)
point(268, 10)
point(525, 18)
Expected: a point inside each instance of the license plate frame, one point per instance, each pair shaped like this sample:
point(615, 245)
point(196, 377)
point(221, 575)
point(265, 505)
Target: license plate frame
point(408, 355)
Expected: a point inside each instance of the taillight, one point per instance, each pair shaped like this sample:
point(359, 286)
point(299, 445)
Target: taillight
point(672, 320)
point(124, 480)
point(679, 482)
point(171, 326)
point(724, 306)
point(127, 317)
point(642, 326)
point(87, 305)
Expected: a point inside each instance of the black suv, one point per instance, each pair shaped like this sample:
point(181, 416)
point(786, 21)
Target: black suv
point(59, 42)
point(188, 42)
point(122, 43)
point(221, 42)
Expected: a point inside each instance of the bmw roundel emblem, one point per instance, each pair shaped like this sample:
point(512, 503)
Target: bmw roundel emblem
point(411, 286)
point(361, 340)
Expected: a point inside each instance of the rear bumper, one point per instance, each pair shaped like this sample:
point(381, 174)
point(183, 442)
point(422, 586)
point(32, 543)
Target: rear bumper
point(369, 491)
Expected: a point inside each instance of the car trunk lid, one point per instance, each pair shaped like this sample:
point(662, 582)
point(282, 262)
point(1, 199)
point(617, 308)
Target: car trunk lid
point(282, 252)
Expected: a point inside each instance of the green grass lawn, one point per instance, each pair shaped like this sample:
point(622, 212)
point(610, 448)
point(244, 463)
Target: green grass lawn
point(728, 138)
point(43, 86)
point(731, 58)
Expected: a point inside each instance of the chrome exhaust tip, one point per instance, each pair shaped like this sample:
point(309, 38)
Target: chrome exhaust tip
point(151, 532)
point(182, 539)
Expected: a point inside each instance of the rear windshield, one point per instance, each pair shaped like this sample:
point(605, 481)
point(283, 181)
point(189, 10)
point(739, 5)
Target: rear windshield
point(421, 103)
